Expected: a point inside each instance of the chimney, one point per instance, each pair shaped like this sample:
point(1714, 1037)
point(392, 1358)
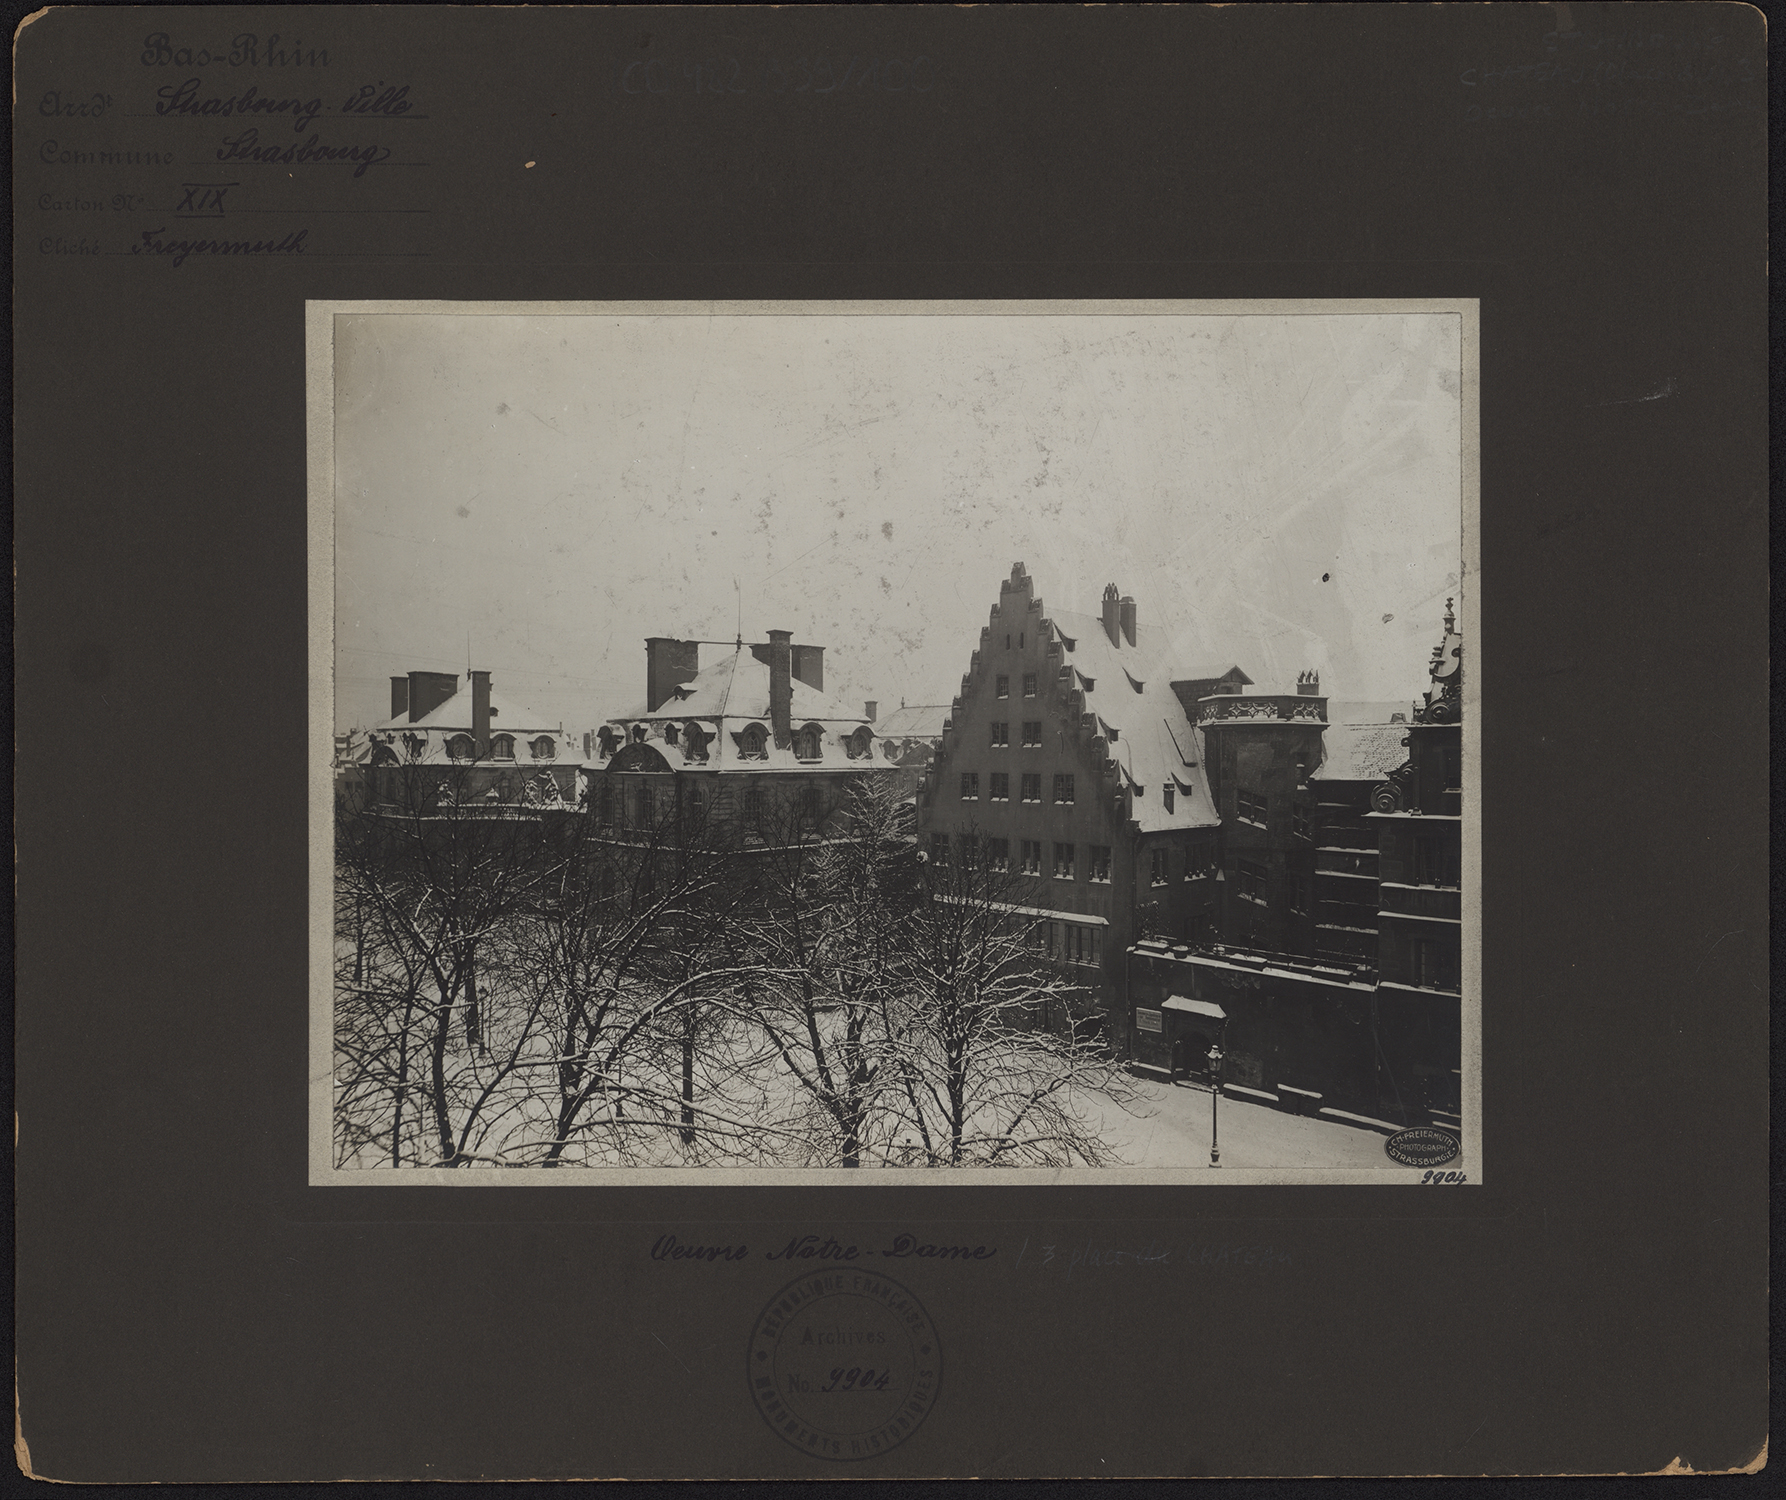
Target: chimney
point(1112, 609)
point(1128, 618)
point(668, 664)
point(809, 666)
point(868, 710)
point(428, 690)
point(781, 686)
point(399, 697)
point(480, 713)
point(1308, 684)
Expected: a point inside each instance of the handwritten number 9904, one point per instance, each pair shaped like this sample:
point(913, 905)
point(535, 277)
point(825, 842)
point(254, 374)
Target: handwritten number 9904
point(856, 1379)
point(1435, 1179)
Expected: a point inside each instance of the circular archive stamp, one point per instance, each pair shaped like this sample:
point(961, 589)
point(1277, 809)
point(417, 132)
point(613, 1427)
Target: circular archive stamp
point(844, 1364)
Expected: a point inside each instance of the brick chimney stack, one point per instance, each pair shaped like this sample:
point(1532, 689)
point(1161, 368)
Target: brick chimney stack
point(869, 710)
point(668, 664)
point(399, 697)
point(1112, 614)
point(1128, 618)
point(480, 713)
point(781, 686)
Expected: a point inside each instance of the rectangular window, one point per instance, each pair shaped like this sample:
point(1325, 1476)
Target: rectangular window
point(1063, 788)
point(1299, 895)
point(1001, 734)
point(1250, 880)
point(939, 850)
point(1063, 861)
point(605, 804)
point(1032, 734)
point(1000, 790)
point(1031, 853)
point(1003, 689)
point(647, 811)
point(1076, 944)
point(1452, 756)
point(1171, 798)
point(1299, 823)
point(970, 786)
point(1252, 806)
point(1029, 684)
point(968, 851)
point(1032, 786)
point(998, 854)
point(1435, 861)
point(1160, 875)
point(1432, 964)
point(811, 812)
point(1066, 676)
point(1100, 863)
point(753, 806)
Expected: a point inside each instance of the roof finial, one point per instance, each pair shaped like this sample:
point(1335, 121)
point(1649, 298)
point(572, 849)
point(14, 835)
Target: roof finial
point(1450, 617)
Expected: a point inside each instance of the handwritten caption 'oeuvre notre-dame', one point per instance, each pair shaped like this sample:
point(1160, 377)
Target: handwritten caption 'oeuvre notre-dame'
point(1063, 1255)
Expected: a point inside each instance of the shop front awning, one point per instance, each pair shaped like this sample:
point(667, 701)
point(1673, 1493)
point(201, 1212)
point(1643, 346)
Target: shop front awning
point(1194, 1007)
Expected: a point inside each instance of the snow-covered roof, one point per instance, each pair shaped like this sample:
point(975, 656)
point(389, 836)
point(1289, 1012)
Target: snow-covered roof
point(737, 687)
point(730, 699)
point(455, 714)
point(1153, 741)
point(1361, 752)
point(913, 721)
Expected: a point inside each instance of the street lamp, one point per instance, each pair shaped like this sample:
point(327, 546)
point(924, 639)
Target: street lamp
point(1215, 1103)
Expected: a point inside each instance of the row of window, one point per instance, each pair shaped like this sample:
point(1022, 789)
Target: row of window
point(1065, 865)
point(998, 787)
point(502, 747)
point(1032, 734)
point(1255, 807)
point(1002, 687)
point(620, 806)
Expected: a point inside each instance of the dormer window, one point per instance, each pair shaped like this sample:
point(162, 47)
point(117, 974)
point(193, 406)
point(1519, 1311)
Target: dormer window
point(753, 742)
point(807, 743)
point(860, 745)
point(502, 747)
point(461, 747)
point(696, 741)
point(543, 748)
point(670, 734)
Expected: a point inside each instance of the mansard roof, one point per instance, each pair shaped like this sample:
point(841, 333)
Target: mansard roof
point(737, 687)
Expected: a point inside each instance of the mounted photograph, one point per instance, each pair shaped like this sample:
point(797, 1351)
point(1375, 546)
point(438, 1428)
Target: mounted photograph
point(891, 743)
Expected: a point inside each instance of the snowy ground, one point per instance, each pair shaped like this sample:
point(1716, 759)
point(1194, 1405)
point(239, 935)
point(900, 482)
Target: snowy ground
point(1169, 1127)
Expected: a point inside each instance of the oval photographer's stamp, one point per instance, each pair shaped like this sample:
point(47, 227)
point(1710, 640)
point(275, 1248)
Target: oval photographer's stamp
point(844, 1364)
point(1422, 1147)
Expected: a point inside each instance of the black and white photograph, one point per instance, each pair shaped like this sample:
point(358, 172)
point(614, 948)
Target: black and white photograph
point(1027, 740)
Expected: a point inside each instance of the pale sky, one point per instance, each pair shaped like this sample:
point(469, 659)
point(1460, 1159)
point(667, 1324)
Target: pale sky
point(1279, 491)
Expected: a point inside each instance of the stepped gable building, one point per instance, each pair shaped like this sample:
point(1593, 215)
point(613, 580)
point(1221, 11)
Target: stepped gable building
point(472, 743)
point(1069, 758)
point(1369, 1025)
point(748, 741)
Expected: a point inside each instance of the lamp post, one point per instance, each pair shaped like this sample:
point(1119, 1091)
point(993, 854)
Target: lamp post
point(1215, 1103)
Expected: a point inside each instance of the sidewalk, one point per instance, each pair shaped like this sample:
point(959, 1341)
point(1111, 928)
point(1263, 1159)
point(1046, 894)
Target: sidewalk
point(1170, 1128)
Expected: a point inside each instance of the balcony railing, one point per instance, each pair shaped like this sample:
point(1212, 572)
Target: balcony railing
point(1230, 707)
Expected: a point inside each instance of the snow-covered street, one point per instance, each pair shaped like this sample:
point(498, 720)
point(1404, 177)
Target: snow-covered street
point(1169, 1127)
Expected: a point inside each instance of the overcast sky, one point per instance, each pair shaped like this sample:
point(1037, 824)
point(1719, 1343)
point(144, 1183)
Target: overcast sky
point(1278, 491)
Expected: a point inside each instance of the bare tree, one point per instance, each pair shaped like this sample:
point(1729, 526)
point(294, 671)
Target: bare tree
point(984, 1078)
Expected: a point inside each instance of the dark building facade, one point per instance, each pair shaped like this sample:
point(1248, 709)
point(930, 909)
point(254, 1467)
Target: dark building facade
point(1418, 813)
point(1068, 761)
point(1354, 1009)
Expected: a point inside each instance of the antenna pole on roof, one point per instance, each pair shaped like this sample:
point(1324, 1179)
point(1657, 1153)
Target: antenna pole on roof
point(740, 593)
